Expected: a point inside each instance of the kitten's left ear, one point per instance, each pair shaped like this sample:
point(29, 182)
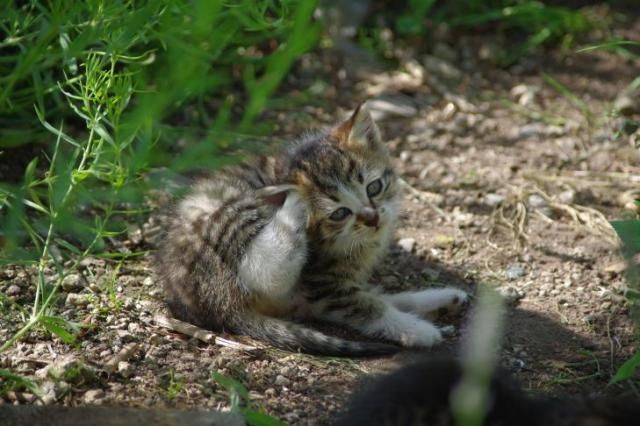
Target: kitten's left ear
point(359, 131)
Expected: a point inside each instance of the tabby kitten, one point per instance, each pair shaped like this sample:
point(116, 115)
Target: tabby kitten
point(294, 237)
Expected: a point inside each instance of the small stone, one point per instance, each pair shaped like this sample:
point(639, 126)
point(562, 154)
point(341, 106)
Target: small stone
point(286, 371)
point(105, 353)
point(493, 200)
point(70, 369)
point(93, 396)
point(14, 290)
point(48, 392)
point(515, 363)
point(51, 391)
point(282, 381)
point(431, 274)
point(405, 156)
point(270, 392)
point(524, 94)
point(448, 330)
point(389, 281)
point(72, 282)
point(134, 327)
point(536, 201)
point(125, 369)
point(407, 244)
point(530, 131)
point(444, 51)
point(75, 299)
point(567, 197)
point(292, 418)
point(148, 281)
point(514, 272)
point(443, 241)
point(441, 68)
point(125, 336)
point(627, 103)
point(510, 294)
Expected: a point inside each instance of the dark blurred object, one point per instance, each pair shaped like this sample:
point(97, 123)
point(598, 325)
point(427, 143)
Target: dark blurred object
point(420, 394)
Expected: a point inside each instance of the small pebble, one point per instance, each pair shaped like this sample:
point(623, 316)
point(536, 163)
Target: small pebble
point(75, 299)
point(510, 294)
point(431, 274)
point(443, 241)
point(567, 197)
point(125, 369)
point(515, 272)
point(282, 381)
point(93, 396)
point(286, 371)
point(536, 201)
point(407, 244)
point(134, 327)
point(72, 282)
point(14, 290)
point(493, 200)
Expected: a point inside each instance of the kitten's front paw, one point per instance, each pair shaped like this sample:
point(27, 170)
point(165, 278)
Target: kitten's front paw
point(454, 300)
point(404, 328)
point(424, 335)
point(295, 212)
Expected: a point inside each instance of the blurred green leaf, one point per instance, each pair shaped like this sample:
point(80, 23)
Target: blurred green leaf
point(627, 370)
point(11, 381)
point(59, 327)
point(232, 386)
point(629, 233)
point(257, 418)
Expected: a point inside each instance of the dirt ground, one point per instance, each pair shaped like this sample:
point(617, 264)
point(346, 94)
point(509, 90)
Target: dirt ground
point(511, 183)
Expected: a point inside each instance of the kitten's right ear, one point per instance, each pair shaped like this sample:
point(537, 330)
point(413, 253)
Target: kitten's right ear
point(275, 195)
point(359, 130)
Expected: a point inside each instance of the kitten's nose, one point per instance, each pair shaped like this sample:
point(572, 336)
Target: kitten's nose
point(368, 216)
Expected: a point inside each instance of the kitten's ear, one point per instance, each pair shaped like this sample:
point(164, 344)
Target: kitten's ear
point(275, 195)
point(359, 130)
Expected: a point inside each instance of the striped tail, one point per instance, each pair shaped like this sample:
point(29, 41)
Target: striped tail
point(294, 337)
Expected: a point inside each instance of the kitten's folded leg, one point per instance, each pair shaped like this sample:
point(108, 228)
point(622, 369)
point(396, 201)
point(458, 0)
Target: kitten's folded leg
point(429, 300)
point(272, 263)
point(403, 327)
point(373, 316)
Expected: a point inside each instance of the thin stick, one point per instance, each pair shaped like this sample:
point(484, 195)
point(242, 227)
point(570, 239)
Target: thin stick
point(199, 333)
point(124, 354)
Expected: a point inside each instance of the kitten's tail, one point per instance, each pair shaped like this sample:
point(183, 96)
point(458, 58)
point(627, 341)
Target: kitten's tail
point(295, 337)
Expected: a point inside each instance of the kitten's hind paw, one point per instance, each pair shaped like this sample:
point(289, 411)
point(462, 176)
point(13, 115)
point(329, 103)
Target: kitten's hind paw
point(448, 331)
point(453, 301)
point(424, 335)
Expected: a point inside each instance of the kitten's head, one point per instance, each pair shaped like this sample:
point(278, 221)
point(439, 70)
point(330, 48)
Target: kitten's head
point(346, 177)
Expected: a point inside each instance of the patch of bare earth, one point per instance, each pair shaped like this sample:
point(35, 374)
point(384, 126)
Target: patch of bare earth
point(510, 184)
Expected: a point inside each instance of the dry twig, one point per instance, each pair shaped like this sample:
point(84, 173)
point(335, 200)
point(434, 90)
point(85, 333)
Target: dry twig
point(199, 333)
point(126, 353)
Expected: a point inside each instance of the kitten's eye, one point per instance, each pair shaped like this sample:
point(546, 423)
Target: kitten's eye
point(340, 214)
point(374, 188)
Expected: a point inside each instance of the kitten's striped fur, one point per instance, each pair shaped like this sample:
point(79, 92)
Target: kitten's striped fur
point(257, 246)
